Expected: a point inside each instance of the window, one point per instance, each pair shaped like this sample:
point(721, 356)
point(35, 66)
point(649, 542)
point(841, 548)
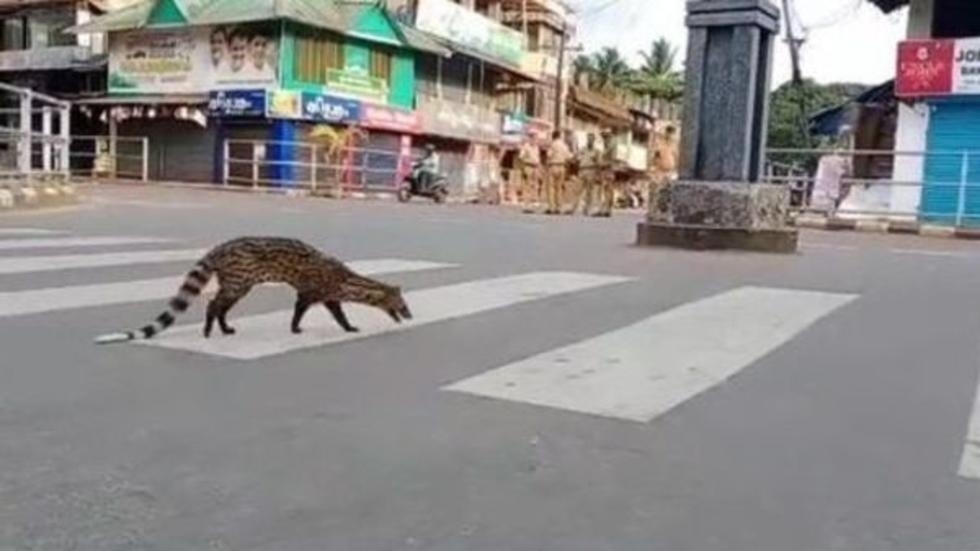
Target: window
point(315, 55)
point(13, 34)
point(381, 65)
point(47, 26)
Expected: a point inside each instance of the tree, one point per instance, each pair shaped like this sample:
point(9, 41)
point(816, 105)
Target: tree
point(656, 77)
point(611, 72)
point(790, 108)
point(582, 67)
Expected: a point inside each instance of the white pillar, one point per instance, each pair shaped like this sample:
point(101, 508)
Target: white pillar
point(65, 152)
point(47, 133)
point(113, 133)
point(912, 126)
point(24, 140)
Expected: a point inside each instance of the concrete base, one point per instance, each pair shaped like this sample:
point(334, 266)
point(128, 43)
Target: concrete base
point(698, 237)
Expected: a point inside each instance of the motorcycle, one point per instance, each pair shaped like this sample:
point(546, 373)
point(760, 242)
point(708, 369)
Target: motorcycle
point(437, 188)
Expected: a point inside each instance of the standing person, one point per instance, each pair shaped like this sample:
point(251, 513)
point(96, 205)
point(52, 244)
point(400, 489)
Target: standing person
point(588, 166)
point(558, 156)
point(607, 175)
point(529, 163)
point(664, 163)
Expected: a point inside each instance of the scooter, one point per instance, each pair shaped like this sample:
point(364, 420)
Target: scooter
point(436, 189)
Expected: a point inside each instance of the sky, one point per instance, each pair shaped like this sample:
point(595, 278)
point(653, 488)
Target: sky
point(847, 40)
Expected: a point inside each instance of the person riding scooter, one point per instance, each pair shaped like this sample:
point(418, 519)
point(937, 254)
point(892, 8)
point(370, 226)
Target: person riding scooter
point(425, 179)
point(427, 168)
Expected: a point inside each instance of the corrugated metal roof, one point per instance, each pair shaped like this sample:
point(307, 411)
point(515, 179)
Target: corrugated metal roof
point(325, 14)
point(888, 6)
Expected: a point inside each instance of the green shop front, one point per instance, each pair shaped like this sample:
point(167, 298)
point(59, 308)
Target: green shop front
point(269, 73)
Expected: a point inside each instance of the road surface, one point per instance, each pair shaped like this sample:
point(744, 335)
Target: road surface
point(558, 390)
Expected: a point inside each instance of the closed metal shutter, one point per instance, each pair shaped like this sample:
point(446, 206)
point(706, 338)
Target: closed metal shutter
point(952, 166)
point(180, 151)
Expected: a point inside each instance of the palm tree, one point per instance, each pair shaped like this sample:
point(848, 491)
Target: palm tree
point(656, 78)
point(611, 70)
point(582, 66)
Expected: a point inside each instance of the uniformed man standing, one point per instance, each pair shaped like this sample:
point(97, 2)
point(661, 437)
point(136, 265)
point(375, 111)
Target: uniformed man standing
point(664, 166)
point(588, 176)
point(558, 156)
point(529, 162)
point(607, 175)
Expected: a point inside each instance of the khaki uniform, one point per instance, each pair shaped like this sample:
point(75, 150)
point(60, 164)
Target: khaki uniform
point(558, 157)
point(588, 176)
point(607, 179)
point(529, 162)
point(663, 169)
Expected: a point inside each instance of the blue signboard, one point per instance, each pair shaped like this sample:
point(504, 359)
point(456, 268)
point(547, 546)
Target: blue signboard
point(321, 107)
point(237, 103)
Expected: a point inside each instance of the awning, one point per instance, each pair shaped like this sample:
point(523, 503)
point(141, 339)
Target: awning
point(331, 15)
point(147, 99)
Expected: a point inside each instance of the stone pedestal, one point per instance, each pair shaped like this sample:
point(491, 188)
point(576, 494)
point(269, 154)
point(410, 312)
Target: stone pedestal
point(720, 215)
point(718, 203)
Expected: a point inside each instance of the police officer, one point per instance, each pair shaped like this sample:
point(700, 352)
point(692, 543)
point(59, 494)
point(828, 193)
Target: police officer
point(607, 175)
point(529, 163)
point(588, 175)
point(559, 155)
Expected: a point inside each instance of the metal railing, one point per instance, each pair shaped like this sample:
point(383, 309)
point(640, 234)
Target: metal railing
point(345, 171)
point(99, 158)
point(940, 187)
point(312, 167)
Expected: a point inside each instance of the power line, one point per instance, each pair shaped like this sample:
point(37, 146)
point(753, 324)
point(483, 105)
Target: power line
point(605, 5)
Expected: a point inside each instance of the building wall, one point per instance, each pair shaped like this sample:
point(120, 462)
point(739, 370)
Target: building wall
point(913, 124)
point(357, 55)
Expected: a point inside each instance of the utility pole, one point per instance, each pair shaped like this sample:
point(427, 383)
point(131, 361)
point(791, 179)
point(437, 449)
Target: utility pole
point(560, 81)
point(794, 44)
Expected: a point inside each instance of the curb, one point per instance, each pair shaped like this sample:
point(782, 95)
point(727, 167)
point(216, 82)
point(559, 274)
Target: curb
point(884, 226)
point(36, 196)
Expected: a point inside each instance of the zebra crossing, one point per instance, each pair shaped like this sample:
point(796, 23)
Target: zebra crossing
point(635, 373)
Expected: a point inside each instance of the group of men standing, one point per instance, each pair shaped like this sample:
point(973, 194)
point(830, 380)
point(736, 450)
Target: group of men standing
point(569, 181)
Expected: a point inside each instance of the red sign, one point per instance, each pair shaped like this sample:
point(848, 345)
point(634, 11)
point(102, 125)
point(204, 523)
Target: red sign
point(925, 68)
point(388, 118)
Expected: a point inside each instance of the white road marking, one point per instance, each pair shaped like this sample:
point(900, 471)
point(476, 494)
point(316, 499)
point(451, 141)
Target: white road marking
point(642, 371)
point(25, 264)
point(970, 465)
point(268, 334)
point(926, 252)
point(47, 243)
point(28, 231)
point(829, 247)
point(37, 301)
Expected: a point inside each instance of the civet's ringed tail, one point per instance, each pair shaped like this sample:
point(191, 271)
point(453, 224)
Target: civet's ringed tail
point(194, 283)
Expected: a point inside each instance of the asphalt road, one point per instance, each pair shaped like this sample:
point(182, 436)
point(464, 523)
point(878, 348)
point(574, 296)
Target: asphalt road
point(560, 390)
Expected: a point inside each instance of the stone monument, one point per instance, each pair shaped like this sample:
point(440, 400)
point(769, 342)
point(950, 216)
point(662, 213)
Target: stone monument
point(718, 202)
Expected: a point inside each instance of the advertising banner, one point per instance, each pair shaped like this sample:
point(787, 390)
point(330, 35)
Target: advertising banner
point(194, 60)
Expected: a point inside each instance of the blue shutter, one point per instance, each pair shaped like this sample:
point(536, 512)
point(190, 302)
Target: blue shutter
point(954, 128)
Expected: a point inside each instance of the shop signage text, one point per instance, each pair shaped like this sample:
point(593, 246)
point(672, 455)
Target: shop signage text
point(467, 122)
point(355, 81)
point(388, 118)
point(238, 103)
point(465, 27)
point(285, 104)
point(938, 67)
point(193, 60)
point(321, 107)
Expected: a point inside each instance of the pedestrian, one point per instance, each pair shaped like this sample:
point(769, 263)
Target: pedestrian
point(529, 164)
point(664, 166)
point(558, 157)
point(588, 176)
point(607, 176)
